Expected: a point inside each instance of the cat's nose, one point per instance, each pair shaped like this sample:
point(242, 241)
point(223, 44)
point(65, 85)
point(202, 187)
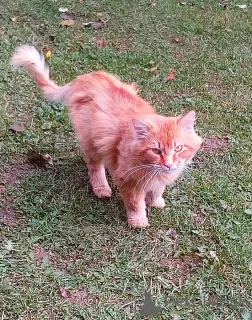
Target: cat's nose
point(168, 165)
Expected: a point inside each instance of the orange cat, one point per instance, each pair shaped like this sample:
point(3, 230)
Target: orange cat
point(119, 131)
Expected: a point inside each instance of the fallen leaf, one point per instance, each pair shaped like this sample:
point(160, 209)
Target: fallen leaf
point(63, 9)
point(101, 43)
point(65, 293)
point(176, 39)
point(171, 75)
point(248, 211)
point(8, 246)
point(2, 188)
point(99, 24)
point(233, 236)
point(153, 69)
point(171, 232)
point(46, 125)
point(241, 6)
point(40, 160)
point(213, 255)
point(99, 13)
point(223, 204)
point(41, 253)
point(67, 23)
point(250, 267)
point(48, 55)
point(68, 16)
point(49, 159)
point(13, 19)
point(153, 4)
point(18, 127)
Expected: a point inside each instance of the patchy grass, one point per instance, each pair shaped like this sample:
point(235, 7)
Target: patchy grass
point(67, 255)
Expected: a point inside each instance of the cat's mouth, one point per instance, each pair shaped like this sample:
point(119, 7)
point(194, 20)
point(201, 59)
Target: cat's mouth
point(169, 169)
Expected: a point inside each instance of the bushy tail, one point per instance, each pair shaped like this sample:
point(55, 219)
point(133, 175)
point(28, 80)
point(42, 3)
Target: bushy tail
point(30, 60)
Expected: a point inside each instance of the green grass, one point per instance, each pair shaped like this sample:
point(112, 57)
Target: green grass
point(90, 248)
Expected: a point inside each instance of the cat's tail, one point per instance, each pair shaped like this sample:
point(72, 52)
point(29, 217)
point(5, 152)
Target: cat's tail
point(30, 60)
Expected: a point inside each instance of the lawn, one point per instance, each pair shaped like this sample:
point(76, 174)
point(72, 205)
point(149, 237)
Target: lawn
point(65, 254)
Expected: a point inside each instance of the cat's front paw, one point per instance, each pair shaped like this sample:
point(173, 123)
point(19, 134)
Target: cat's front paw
point(138, 222)
point(102, 192)
point(158, 202)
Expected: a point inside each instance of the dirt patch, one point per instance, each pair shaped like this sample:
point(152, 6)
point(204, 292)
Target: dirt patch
point(14, 173)
point(180, 268)
point(198, 216)
point(49, 313)
point(215, 145)
point(123, 44)
point(83, 297)
point(10, 218)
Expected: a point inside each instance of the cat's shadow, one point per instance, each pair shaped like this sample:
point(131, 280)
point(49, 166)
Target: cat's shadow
point(74, 194)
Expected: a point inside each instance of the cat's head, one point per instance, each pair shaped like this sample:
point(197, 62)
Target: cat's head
point(166, 143)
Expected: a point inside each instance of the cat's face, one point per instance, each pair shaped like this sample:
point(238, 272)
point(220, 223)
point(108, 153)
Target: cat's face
point(167, 144)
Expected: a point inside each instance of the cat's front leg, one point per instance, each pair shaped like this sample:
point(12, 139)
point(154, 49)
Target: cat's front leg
point(154, 197)
point(135, 207)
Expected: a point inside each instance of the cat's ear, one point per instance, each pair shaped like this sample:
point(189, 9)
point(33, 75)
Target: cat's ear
point(187, 122)
point(141, 128)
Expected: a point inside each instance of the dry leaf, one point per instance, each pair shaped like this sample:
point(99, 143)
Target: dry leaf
point(41, 253)
point(2, 188)
point(171, 75)
point(248, 211)
point(63, 9)
point(40, 160)
point(65, 293)
point(153, 69)
point(46, 126)
point(8, 246)
point(67, 23)
point(241, 6)
point(48, 54)
point(99, 13)
point(68, 16)
point(213, 255)
point(17, 127)
point(176, 39)
point(250, 267)
point(102, 43)
point(99, 24)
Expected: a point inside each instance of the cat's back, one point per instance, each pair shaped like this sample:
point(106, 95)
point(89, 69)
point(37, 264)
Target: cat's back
point(107, 93)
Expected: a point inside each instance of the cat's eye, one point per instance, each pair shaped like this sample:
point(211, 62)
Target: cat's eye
point(156, 151)
point(178, 148)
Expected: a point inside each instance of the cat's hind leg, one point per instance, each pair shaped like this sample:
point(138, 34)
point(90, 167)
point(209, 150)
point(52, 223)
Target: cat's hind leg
point(97, 178)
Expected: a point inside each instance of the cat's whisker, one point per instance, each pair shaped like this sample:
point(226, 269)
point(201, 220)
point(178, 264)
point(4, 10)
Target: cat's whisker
point(147, 181)
point(135, 170)
point(143, 177)
point(138, 168)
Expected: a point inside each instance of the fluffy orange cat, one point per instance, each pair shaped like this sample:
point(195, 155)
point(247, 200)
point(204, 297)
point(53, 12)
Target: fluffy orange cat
point(119, 131)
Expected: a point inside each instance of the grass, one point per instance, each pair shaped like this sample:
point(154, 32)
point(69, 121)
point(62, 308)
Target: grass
point(56, 236)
